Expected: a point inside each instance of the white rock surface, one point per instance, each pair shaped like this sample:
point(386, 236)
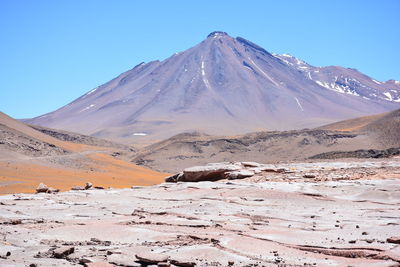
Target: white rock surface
point(277, 218)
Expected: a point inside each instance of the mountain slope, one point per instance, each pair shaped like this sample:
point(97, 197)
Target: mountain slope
point(28, 157)
point(226, 86)
point(79, 138)
point(384, 127)
point(355, 124)
point(15, 134)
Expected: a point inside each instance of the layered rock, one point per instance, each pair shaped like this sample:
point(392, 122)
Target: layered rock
point(222, 170)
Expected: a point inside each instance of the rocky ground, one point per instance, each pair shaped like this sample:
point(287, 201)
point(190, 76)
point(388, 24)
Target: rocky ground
point(301, 214)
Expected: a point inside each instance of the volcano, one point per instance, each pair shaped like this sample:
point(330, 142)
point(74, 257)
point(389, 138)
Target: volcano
point(222, 86)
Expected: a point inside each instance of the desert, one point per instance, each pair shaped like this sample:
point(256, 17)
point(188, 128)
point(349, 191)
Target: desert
point(330, 209)
point(296, 216)
point(199, 133)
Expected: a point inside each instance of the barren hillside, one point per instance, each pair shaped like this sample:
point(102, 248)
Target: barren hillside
point(379, 132)
point(28, 157)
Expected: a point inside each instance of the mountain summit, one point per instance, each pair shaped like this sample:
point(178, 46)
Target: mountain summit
point(222, 86)
point(216, 34)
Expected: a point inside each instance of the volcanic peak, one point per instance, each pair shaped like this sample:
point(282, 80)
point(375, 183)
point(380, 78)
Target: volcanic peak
point(216, 34)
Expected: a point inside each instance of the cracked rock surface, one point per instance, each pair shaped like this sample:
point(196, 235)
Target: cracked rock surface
point(264, 221)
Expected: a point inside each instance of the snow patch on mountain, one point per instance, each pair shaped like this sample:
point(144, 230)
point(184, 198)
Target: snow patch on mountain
point(203, 74)
point(264, 73)
point(139, 134)
point(388, 95)
point(92, 91)
point(88, 107)
point(375, 81)
point(298, 103)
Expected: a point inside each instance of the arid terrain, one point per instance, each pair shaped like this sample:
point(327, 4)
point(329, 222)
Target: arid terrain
point(342, 213)
point(365, 137)
point(318, 197)
point(33, 154)
point(200, 134)
point(62, 160)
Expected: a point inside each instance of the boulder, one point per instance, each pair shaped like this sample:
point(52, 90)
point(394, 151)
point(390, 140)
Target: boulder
point(238, 174)
point(63, 252)
point(83, 261)
point(272, 169)
point(99, 264)
point(52, 190)
point(122, 260)
point(88, 185)
point(256, 170)
point(151, 258)
point(78, 188)
point(251, 164)
point(207, 173)
point(222, 170)
point(182, 262)
point(42, 188)
point(174, 178)
point(4, 254)
point(219, 163)
point(393, 239)
point(15, 221)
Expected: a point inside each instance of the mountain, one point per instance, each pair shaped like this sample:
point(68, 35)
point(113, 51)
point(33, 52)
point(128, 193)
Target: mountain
point(222, 86)
point(365, 137)
point(60, 159)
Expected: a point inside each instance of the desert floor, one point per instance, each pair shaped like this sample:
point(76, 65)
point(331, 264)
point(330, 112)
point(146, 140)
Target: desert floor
point(347, 215)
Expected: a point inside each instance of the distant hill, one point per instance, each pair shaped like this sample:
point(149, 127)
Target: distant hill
point(355, 124)
point(371, 136)
point(19, 138)
point(79, 138)
point(384, 127)
point(267, 147)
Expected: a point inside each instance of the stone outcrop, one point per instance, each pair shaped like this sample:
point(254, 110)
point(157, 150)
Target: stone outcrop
point(151, 258)
point(211, 172)
point(52, 190)
point(174, 178)
point(87, 186)
point(238, 174)
point(77, 188)
point(393, 239)
point(63, 252)
point(219, 171)
point(42, 188)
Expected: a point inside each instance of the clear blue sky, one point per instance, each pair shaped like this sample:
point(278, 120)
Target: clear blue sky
point(52, 52)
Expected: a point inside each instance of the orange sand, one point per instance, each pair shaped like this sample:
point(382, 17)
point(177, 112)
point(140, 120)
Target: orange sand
point(107, 172)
